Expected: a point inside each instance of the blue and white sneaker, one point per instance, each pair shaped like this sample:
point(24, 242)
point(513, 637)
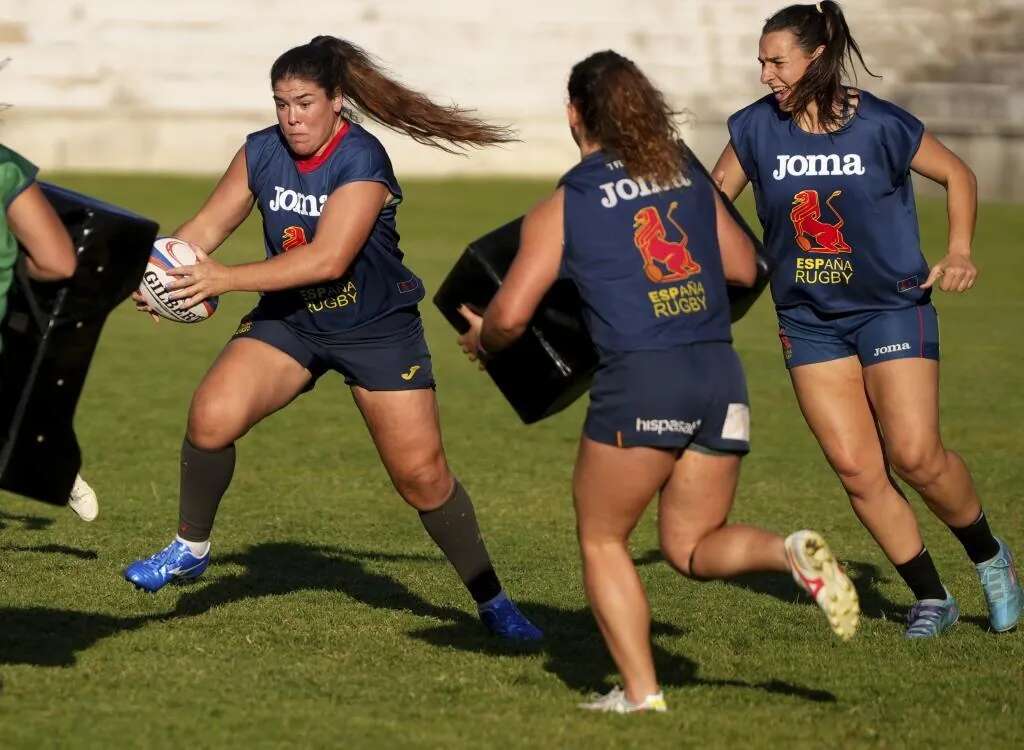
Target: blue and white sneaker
point(502, 617)
point(1003, 592)
point(173, 561)
point(930, 617)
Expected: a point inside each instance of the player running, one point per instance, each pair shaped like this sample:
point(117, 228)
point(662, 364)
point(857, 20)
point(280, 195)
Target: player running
point(335, 296)
point(650, 246)
point(830, 165)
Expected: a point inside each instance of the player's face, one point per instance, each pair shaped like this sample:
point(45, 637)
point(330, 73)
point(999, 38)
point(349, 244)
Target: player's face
point(307, 116)
point(783, 63)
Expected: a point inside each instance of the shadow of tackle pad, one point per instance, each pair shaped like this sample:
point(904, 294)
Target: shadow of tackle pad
point(49, 335)
point(553, 364)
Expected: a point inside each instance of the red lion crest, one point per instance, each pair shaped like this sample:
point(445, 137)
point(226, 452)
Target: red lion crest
point(664, 261)
point(812, 234)
point(293, 237)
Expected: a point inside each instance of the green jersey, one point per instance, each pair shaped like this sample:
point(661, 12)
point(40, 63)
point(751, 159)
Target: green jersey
point(16, 174)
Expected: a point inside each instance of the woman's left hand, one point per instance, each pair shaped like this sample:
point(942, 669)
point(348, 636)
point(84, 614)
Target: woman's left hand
point(957, 271)
point(470, 340)
point(207, 278)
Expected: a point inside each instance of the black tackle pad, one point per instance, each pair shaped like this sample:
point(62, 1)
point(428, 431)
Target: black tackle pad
point(554, 362)
point(49, 335)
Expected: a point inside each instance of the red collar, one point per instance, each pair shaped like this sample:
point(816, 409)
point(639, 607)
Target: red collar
point(310, 163)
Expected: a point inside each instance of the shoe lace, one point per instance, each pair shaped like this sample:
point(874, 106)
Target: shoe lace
point(162, 556)
point(924, 617)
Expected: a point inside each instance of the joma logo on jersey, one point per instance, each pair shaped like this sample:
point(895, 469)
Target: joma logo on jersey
point(628, 189)
point(905, 346)
point(290, 200)
point(817, 165)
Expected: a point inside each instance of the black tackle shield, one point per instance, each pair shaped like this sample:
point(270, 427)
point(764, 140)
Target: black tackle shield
point(553, 363)
point(49, 335)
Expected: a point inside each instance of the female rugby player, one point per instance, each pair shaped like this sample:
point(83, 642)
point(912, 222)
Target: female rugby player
point(335, 296)
point(830, 165)
point(650, 246)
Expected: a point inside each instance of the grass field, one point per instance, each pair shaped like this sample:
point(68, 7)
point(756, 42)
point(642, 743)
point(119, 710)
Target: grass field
point(330, 620)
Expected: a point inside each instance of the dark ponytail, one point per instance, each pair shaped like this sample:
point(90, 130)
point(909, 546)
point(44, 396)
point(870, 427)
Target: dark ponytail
point(338, 66)
point(822, 83)
point(623, 112)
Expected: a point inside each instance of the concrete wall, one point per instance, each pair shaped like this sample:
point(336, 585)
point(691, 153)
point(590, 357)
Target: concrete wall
point(175, 86)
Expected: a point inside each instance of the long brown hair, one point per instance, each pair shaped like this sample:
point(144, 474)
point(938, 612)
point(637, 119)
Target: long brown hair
point(338, 66)
point(623, 112)
point(822, 83)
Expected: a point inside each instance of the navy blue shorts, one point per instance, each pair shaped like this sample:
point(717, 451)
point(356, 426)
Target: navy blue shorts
point(808, 337)
point(689, 396)
point(389, 354)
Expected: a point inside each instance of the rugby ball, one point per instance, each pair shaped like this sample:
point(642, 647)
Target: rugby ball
point(168, 253)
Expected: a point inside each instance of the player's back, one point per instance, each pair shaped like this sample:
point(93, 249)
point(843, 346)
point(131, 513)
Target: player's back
point(645, 258)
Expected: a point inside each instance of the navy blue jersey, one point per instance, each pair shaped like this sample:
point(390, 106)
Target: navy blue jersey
point(291, 194)
point(837, 209)
point(645, 258)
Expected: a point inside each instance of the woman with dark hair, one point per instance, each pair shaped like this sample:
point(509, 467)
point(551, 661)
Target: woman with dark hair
point(650, 246)
point(335, 296)
point(830, 165)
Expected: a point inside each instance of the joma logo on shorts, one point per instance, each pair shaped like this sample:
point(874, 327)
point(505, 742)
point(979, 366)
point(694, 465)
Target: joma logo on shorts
point(667, 425)
point(290, 200)
point(892, 348)
point(815, 165)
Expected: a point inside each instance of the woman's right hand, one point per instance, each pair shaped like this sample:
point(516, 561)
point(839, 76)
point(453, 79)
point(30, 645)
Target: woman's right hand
point(142, 306)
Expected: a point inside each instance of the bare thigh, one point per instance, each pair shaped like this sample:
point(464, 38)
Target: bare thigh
point(248, 381)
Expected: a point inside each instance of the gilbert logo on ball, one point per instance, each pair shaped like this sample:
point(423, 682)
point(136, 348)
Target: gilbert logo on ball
point(168, 253)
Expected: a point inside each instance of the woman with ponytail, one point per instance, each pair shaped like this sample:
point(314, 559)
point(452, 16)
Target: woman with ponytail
point(650, 246)
point(830, 165)
point(335, 296)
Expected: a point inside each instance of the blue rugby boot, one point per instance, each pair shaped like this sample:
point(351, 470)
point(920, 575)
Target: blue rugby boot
point(930, 617)
point(1002, 588)
point(173, 561)
point(502, 617)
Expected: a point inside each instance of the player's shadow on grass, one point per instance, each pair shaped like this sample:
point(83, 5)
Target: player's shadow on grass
point(278, 568)
point(56, 549)
point(46, 637)
point(574, 652)
point(865, 576)
point(28, 523)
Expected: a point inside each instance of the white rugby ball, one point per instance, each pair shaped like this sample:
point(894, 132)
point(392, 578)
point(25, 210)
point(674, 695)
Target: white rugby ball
point(168, 253)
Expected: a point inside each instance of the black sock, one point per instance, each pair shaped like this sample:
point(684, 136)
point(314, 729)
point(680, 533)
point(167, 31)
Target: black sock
point(454, 529)
point(921, 576)
point(977, 540)
point(205, 476)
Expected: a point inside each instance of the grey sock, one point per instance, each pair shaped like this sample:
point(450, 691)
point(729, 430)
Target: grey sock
point(205, 476)
point(454, 529)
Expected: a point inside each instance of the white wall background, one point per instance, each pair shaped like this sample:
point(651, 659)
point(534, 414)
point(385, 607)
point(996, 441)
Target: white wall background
point(174, 86)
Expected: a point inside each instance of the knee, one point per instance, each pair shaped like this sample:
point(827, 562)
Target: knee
point(425, 483)
point(862, 479)
point(679, 554)
point(918, 464)
point(214, 423)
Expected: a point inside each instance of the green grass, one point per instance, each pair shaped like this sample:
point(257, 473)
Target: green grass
point(330, 619)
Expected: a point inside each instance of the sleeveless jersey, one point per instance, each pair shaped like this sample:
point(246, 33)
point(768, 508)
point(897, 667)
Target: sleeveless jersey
point(645, 258)
point(837, 209)
point(291, 194)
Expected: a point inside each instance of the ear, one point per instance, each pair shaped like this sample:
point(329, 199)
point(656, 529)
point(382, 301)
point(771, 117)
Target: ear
point(338, 103)
point(818, 52)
